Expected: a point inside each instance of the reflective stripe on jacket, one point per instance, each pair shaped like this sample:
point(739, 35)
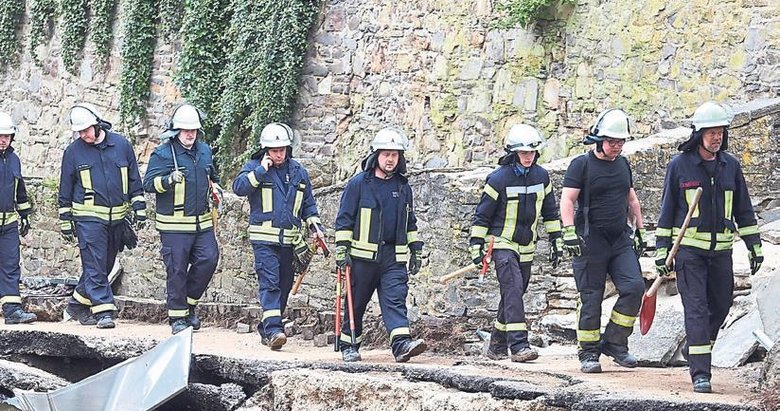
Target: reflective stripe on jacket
point(510, 207)
point(100, 182)
point(724, 208)
point(359, 220)
point(276, 216)
point(183, 207)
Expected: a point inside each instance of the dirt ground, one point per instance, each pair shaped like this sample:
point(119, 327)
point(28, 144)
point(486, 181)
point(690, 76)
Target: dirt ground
point(730, 385)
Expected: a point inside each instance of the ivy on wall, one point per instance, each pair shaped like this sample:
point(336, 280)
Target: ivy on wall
point(102, 16)
point(523, 12)
point(10, 15)
point(42, 14)
point(203, 56)
point(170, 16)
point(137, 55)
point(261, 76)
point(74, 23)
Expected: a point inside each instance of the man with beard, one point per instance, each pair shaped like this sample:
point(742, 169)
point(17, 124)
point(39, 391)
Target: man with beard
point(599, 239)
point(376, 235)
point(705, 276)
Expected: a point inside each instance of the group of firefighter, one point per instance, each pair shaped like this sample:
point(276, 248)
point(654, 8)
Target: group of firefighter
point(598, 223)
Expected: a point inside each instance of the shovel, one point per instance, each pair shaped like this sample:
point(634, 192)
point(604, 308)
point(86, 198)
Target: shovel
point(647, 312)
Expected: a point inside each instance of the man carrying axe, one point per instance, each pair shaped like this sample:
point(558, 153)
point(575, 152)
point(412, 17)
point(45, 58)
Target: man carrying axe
point(281, 202)
point(181, 173)
point(705, 276)
point(514, 197)
point(376, 235)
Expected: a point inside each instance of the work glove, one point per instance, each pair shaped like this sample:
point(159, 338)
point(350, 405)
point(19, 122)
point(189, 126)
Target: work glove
point(68, 230)
point(477, 255)
point(640, 244)
point(343, 260)
point(140, 219)
point(756, 258)
point(24, 225)
point(556, 251)
point(571, 241)
point(415, 261)
point(660, 262)
point(303, 256)
point(175, 177)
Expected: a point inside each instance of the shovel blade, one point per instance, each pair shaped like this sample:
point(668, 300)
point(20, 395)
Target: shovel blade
point(646, 313)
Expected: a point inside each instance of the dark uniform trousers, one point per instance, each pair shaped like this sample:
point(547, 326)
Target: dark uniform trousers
point(510, 328)
point(10, 271)
point(99, 243)
point(273, 265)
point(602, 255)
point(390, 280)
point(706, 283)
point(190, 260)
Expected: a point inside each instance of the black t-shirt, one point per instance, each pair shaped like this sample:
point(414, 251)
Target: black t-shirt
point(387, 192)
point(608, 183)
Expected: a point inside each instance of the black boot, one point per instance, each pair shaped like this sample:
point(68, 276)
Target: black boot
point(192, 318)
point(409, 349)
point(178, 324)
point(619, 354)
point(350, 354)
point(14, 314)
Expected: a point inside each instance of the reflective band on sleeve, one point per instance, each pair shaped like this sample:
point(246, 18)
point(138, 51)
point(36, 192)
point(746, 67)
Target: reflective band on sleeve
point(158, 185)
point(343, 235)
point(491, 192)
point(252, 179)
point(479, 231)
point(748, 230)
point(192, 301)
point(412, 237)
point(552, 226)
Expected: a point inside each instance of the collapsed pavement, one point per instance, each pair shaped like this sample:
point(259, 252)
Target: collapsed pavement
point(226, 376)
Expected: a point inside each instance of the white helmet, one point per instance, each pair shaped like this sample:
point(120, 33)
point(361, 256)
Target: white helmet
point(7, 126)
point(186, 117)
point(711, 114)
point(523, 137)
point(612, 123)
point(82, 116)
point(276, 135)
point(389, 138)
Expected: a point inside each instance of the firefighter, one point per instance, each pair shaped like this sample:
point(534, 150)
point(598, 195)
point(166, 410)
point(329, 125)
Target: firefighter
point(99, 187)
point(13, 201)
point(600, 240)
point(181, 173)
point(376, 235)
point(705, 275)
point(282, 207)
point(515, 196)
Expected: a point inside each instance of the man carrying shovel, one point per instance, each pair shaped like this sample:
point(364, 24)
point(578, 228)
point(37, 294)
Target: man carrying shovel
point(514, 197)
point(705, 275)
point(181, 173)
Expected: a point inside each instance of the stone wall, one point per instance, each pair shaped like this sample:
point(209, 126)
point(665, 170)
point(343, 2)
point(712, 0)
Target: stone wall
point(444, 72)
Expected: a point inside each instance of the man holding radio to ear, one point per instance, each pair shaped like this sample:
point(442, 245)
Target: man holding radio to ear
point(281, 206)
point(99, 187)
point(181, 173)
